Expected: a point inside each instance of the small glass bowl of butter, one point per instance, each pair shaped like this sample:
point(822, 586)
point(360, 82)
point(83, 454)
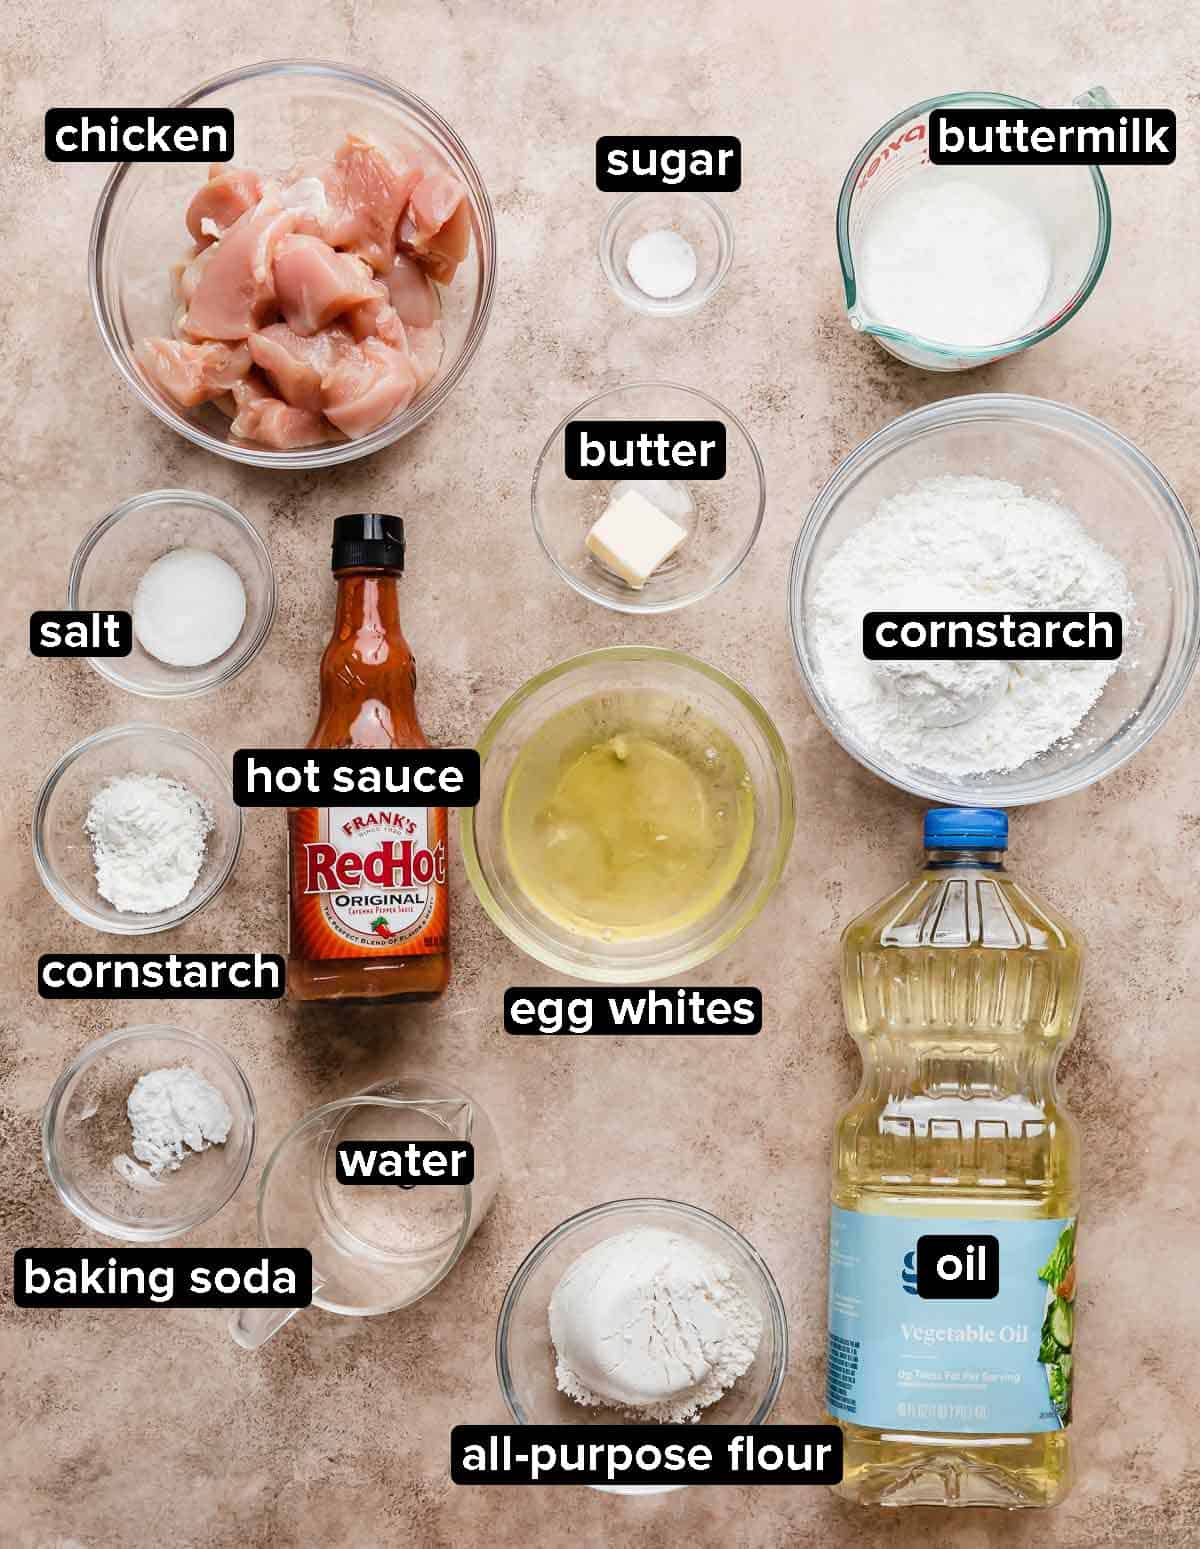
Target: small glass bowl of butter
point(640, 544)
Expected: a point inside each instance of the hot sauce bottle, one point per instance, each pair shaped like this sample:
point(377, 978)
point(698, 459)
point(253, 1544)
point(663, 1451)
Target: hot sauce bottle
point(369, 915)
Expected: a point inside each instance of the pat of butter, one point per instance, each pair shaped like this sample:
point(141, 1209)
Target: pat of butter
point(633, 538)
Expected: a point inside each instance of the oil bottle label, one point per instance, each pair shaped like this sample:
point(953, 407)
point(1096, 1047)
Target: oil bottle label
point(369, 882)
point(1000, 1364)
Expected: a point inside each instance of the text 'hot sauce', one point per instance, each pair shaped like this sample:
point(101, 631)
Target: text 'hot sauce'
point(369, 904)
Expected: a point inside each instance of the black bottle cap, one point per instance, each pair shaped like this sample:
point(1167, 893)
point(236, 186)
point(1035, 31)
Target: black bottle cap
point(368, 538)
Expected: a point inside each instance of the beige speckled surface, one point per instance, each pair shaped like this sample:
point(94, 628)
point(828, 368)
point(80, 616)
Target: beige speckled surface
point(138, 1430)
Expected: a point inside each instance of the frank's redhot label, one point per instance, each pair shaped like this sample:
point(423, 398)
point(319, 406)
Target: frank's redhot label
point(369, 882)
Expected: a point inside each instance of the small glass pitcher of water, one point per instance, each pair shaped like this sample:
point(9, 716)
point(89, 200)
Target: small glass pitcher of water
point(1069, 204)
point(374, 1248)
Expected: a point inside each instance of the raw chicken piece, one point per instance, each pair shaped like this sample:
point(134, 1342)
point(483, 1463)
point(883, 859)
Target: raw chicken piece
point(406, 296)
point(425, 346)
point(228, 194)
point(368, 387)
point(314, 284)
point(295, 364)
point(235, 292)
point(436, 226)
point(376, 185)
point(366, 189)
point(252, 390)
point(377, 318)
point(273, 423)
point(186, 276)
point(193, 373)
point(412, 293)
point(306, 194)
point(363, 320)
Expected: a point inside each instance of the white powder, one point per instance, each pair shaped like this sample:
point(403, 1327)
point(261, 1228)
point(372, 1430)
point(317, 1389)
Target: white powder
point(173, 1112)
point(662, 264)
point(652, 1323)
point(148, 840)
point(947, 258)
point(961, 543)
point(189, 607)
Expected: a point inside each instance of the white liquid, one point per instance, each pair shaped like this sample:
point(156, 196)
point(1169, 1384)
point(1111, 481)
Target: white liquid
point(948, 259)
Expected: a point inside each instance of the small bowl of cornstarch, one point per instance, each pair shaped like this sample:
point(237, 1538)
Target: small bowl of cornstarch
point(135, 829)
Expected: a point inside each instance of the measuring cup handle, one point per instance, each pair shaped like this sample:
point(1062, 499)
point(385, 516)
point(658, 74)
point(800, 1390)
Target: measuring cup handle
point(1094, 97)
point(253, 1326)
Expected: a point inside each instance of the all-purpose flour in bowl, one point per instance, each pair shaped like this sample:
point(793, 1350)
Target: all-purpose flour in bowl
point(967, 544)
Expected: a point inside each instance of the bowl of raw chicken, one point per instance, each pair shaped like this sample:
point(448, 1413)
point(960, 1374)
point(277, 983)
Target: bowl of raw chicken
point(316, 297)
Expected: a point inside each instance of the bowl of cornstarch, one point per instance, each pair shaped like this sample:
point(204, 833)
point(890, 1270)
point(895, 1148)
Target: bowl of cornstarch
point(196, 579)
point(1010, 511)
point(148, 1132)
point(135, 829)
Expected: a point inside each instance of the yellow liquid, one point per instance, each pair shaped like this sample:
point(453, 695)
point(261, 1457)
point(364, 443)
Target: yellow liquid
point(962, 991)
point(628, 817)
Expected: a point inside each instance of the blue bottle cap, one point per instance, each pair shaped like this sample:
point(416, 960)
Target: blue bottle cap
point(966, 828)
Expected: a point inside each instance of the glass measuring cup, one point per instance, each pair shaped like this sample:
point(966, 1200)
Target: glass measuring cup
point(1070, 203)
point(375, 1249)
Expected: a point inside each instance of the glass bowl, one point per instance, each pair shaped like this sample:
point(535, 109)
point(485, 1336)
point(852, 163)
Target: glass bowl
point(1122, 501)
point(525, 1357)
point(722, 525)
point(118, 551)
point(284, 110)
point(694, 685)
point(696, 218)
point(62, 850)
point(85, 1127)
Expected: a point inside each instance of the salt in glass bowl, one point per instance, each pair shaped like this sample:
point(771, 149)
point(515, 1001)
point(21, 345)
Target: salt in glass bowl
point(724, 522)
point(695, 217)
point(122, 546)
point(1122, 501)
point(285, 110)
point(85, 1126)
point(62, 849)
point(525, 1357)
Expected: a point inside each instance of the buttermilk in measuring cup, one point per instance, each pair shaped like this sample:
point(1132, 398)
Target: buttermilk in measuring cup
point(951, 258)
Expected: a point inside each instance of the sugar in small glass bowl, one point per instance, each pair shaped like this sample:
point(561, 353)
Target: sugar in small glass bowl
point(695, 218)
point(112, 559)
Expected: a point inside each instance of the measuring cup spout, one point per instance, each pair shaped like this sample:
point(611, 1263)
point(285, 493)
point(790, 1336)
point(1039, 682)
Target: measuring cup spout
point(1094, 97)
point(253, 1326)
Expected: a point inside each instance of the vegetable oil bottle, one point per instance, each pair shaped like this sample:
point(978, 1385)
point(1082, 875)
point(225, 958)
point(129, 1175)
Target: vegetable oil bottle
point(961, 991)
